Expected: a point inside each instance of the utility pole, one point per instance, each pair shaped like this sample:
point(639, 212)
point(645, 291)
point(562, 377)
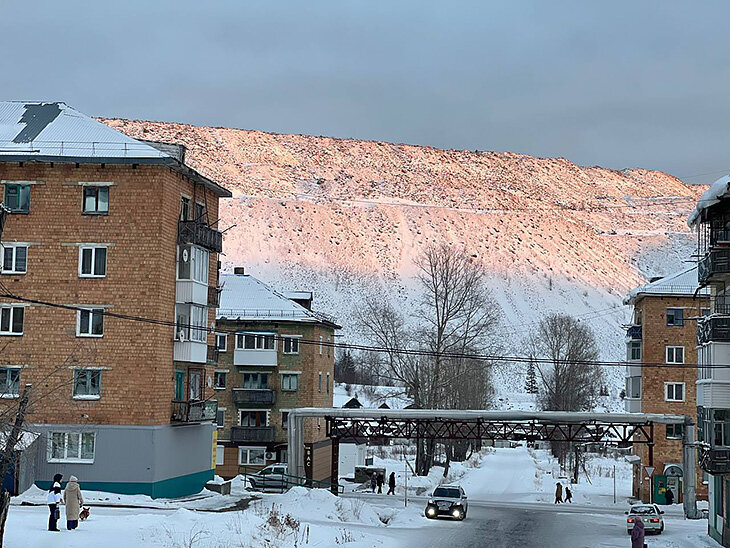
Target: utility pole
point(614, 484)
point(405, 490)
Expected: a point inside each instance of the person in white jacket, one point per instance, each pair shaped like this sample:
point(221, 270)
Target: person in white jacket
point(54, 499)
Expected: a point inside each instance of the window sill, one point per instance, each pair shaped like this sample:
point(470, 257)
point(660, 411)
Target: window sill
point(87, 398)
point(87, 336)
point(92, 276)
point(219, 388)
point(290, 353)
point(2, 334)
point(9, 396)
point(19, 212)
point(95, 213)
point(674, 401)
point(11, 273)
point(73, 461)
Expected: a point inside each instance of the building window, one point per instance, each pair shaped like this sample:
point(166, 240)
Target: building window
point(634, 351)
point(253, 418)
point(285, 419)
point(674, 391)
point(255, 341)
point(675, 354)
point(289, 382)
point(15, 259)
point(256, 381)
point(220, 417)
point(9, 382)
point(17, 198)
point(71, 446)
point(321, 338)
point(87, 384)
point(90, 322)
point(705, 312)
point(633, 387)
point(319, 385)
point(199, 211)
point(675, 316)
point(221, 342)
point(220, 455)
point(184, 208)
point(674, 431)
point(191, 322)
point(721, 419)
point(291, 345)
point(220, 379)
point(255, 456)
point(327, 385)
point(92, 262)
point(193, 263)
point(96, 199)
point(11, 320)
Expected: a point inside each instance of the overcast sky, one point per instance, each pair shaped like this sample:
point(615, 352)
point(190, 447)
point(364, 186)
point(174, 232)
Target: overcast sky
point(619, 84)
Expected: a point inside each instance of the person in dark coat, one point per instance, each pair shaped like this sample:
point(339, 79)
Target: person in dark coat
point(669, 496)
point(637, 534)
point(558, 493)
point(54, 499)
point(391, 484)
point(568, 494)
point(373, 481)
point(381, 481)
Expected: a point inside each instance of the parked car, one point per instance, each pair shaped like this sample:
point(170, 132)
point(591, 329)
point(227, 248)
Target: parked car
point(273, 476)
point(650, 515)
point(447, 500)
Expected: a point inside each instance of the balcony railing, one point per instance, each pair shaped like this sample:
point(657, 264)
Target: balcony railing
point(262, 434)
point(185, 412)
point(715, 261)
point(714, 461)
point(245, 396)
point(213, 354)
point(199, 233)
point(634, 333)
point(3, 216)
point(713, 329)
point(214, 294)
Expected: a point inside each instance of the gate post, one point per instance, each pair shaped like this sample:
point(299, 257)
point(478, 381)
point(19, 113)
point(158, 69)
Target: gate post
point(689, 472)
point(335, 466)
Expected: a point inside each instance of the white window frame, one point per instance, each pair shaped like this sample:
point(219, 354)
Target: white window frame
point(5, 390)
point(220, 409)
point(259, 336)
point(674, 391)
point(220, 455)
point(319, 384)
point(321, 339)
point(225, 342)
point(86, 370)
point(290, 339)
point(217, 372)
point(13, 309)
point(674, 354)
point(93, 249)
point(97, 187)
point(247, 450)
point(630, 347)
point(78, 459)
point(199, 263)
point(91, 310)
point(14, 260)
point(283, 374)
point(196, 328)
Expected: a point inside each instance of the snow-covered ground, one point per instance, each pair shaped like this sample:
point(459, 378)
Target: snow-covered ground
point(370, 396)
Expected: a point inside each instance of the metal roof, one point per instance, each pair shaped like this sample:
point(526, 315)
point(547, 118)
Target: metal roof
point(679, 284)
point(32, 131)
point(244, 298)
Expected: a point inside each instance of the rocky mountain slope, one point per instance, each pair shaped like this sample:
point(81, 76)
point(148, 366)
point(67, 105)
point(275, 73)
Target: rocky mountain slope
point(346, 217)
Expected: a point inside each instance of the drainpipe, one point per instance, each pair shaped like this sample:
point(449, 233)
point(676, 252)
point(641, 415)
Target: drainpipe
point(689, 471)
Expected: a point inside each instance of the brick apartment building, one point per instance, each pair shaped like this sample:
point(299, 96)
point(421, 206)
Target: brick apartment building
point(664, 330)
point(274, 357)
point(103, 224)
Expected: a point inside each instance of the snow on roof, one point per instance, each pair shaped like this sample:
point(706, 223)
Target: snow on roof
point(710, 197)
point(243, 297)
point(682, 283)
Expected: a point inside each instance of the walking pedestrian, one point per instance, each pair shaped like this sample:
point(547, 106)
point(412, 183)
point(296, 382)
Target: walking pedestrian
point(669, 496)
point(54, 499)
point(558, 493)
point(381, 481)
point(373, 481)
point(568, 494)
point(637, 533)
point(74, 501)
point(391, 484)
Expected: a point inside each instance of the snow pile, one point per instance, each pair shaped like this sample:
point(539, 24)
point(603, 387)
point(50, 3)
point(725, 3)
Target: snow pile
point(370, 396)
point(710, 197)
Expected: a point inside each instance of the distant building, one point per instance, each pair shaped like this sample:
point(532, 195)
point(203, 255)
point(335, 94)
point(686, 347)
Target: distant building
point(275, 355)
point(664, 331)
point(100, 223)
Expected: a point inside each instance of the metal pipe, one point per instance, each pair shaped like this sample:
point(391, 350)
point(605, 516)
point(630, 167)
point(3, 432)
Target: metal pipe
point(689, 473)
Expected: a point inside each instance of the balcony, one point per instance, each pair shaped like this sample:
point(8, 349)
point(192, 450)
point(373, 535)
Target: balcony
point(633, 333)
point(714, 461)
point(261, 434)
point(191, 292)
point(190, 351)
point(632, 405)
point(192, 412)
point(245, 396)
point(715, 261)
point(213, 354)
point(214, 294)
point(713, 329)
point(199, 233)
point(258, 358)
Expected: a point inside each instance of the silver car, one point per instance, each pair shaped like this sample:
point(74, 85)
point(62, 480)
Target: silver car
point(447, 500)
point(273, 476)
point(649, 514)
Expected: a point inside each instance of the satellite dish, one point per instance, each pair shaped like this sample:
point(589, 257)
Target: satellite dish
point(181, 336)
point(185, 255)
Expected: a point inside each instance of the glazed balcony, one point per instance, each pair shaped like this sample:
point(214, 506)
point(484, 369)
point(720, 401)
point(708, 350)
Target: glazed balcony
point(715, 263)
point(260, 434)
point(199, 233)
point(246, 396)
point(191, 412)
point(213, 354)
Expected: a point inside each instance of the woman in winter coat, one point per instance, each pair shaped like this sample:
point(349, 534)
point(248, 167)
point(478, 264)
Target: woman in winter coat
point(74, 501)
point(637, 534)
point(54, 499)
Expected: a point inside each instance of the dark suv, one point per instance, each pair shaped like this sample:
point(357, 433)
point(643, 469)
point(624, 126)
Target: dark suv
point(447, 500)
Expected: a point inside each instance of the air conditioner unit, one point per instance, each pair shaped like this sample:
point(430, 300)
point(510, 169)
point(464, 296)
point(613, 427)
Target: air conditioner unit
point(270, 455)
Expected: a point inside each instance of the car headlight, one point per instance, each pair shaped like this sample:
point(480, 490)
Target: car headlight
point(430, 501)
point(456, 513)
point(431, 511)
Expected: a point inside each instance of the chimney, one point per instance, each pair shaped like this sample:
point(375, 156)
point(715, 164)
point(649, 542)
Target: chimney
point(239, 271)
